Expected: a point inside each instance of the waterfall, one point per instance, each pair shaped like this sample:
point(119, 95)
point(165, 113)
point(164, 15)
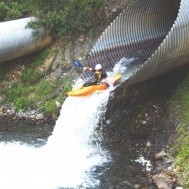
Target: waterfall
point(68, 154)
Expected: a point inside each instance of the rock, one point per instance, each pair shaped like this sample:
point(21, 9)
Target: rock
point(108, 122)
point(137, 186)
point(58, 105)
point(162, 181)
point(39, 116)
point(143, 122)
point(20, 113)
point(8, 111)
point(145, 163)
point(148, 144)
point(114, 10)
point(160, 155)
point(11, 112)
point(19, 73)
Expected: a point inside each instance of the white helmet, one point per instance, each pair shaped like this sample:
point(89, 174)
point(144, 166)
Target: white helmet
point(98, 67)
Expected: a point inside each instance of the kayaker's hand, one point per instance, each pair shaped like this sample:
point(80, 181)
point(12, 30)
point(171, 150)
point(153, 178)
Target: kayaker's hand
point(86, 68)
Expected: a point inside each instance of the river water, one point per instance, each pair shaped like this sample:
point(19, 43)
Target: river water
point(71, 157)
point(69, 153)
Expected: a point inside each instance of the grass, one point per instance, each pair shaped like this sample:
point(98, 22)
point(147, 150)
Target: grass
point(181, 146)
point(31, 75)
point(34, 91)
point(40, 96)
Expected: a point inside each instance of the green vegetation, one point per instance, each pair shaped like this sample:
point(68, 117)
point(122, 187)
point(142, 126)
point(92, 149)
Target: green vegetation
point(11, 9)
point(32, 75)
point(39, 96)
point(60, 18)
point(181, 146)
point(67, 18)
point(35, 91)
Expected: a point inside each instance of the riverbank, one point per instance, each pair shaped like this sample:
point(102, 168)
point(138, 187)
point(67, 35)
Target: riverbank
point(144, 120)
point(8, 114)
point(36, 86)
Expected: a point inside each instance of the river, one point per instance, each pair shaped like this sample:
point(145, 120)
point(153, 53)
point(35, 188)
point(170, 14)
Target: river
point(71, 157)
point(67, 156)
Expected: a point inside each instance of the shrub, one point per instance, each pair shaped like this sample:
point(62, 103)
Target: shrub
point(11, 10)
point(66, 18)
point(60, 18)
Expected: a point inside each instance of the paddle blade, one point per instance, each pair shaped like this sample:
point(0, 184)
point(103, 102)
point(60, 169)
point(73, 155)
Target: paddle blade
point(77, 63)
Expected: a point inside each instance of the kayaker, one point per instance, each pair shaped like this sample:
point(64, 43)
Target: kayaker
point(99, 75)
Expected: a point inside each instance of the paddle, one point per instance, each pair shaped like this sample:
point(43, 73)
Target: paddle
point(77, 63)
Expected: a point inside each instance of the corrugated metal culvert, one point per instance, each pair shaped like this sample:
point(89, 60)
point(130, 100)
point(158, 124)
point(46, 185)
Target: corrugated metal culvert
point(152, 33)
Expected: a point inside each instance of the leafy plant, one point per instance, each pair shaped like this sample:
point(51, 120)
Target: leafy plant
point(19, 96)
point(11, 10)
point(60, 18)
point(63, 18)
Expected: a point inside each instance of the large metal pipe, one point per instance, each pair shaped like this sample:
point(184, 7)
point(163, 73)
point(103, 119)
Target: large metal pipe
point(153, 33)
point(16, 39)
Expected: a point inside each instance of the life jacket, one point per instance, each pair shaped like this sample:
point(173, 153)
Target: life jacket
point(100, 75)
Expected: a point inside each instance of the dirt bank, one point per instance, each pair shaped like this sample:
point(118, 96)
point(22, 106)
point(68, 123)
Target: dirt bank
point(141, 121)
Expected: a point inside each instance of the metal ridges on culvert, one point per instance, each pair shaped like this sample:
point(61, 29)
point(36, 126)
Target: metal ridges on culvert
point(154, 33)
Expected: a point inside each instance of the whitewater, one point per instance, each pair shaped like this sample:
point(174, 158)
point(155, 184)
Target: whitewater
point(69, 154)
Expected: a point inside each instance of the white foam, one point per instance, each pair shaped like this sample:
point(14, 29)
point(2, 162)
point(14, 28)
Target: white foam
point(67, 155)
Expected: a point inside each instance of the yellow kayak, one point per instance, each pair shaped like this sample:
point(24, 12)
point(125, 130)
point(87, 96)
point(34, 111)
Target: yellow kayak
point(85, 91)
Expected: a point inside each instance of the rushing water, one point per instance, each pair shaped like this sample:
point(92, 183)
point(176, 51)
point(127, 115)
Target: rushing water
point(67, 157)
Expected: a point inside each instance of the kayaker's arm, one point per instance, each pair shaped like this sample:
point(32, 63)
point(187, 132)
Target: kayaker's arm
point(88, 68)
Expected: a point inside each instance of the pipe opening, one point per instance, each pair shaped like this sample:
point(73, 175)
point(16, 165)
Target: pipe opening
point(135, 34)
